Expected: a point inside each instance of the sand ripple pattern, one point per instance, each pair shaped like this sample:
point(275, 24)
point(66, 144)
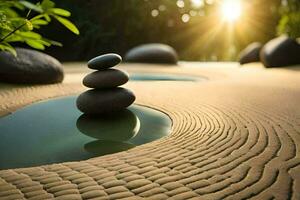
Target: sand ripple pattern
point(234, 138)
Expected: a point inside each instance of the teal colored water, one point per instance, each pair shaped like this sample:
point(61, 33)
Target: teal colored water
point(55, 131)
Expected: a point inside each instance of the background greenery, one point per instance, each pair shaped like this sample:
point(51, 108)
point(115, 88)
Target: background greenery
point(19, 20)
point(118, 25)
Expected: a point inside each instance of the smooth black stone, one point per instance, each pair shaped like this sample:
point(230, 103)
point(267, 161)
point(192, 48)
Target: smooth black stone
point(250, 53)
point(152, 53)
point(105, 79)
point(100, 127)
point(30, 67)
point(104, 61)
point(280, 52)
point(97, 101)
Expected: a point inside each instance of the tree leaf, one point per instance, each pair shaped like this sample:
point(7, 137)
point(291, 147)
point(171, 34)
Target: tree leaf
point(14, 28)
point(47, 17)
point(21, 23)
point(44, 42)
point(31, 6)
point(47, 4)
point(17, 21)
point(69, 25)
point(10, 12)
point(17, 5)
point(14, 38)
point(39, 22)
point(61, 12)
point(7, 47)
point(30, 34)
point(38, 17)
point(35, 44)
point(52, 42)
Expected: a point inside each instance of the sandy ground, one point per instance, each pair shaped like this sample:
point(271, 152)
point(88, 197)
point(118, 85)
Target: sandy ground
point(235, 136)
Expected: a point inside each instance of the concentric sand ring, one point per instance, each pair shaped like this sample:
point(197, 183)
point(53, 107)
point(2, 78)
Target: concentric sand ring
point(235, 136)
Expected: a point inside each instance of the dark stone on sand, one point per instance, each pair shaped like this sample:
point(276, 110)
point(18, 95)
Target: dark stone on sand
point(30, 67)
point(104, 61)
point(152, 53)
point(119, 126)
point(281, 52)
point(101, 101)
point(105, 79)
point(250, 53)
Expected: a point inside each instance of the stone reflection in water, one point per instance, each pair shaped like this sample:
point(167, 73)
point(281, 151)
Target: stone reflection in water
point(104, 147)
point(111, 130)
point(119, 126)
point(50, 134)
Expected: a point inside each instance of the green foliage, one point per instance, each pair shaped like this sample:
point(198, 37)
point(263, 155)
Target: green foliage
point(69, 25)
point(118, 25)
point(15, 28)
point(290, 21)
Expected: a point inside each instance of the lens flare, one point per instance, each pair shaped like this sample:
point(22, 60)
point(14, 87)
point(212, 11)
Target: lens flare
point(231, 10)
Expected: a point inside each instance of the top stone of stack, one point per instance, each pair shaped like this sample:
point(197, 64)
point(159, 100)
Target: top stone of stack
point(105, 61)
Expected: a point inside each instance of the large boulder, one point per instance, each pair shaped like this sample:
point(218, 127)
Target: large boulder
point(280, 52)
point(29, 67)
point(152, 53)
point(250, 53)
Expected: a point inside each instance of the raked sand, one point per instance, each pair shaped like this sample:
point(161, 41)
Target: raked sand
point(234, 136)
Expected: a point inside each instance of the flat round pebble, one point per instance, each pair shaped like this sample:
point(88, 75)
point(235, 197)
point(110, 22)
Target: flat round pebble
point(104, 61)
point(101, 101)
point(105, 79)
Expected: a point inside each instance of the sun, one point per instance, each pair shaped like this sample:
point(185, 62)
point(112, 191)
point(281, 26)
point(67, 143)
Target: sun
point(231, 10)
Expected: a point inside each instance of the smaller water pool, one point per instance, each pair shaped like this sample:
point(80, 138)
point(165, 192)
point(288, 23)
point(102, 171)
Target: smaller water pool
point(171, 77)
point(55, 131)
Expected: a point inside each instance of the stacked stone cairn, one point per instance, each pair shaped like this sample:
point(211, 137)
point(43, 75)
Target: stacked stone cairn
point(105, 97)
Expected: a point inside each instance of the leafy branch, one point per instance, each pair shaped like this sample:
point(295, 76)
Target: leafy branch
point(14, 28)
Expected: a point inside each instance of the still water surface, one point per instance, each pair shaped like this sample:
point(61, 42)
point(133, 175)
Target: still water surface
point(55, 131)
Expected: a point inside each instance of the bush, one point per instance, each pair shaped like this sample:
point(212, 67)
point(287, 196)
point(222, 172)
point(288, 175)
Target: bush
point(118, 25)
point(15, 28)
point(290, 21)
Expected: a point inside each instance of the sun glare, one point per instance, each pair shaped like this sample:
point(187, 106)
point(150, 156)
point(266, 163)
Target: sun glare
point(231, 10)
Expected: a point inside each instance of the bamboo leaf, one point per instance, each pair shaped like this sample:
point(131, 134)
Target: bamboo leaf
point(31, 6)
point(69, 25)
point(47, 17)
point(44, 42)
point(61, 12)
point(52, 42)
point(30, 34)
point(14, 38)
point(47, 4)
point(7, 47)
point(39, 22)
point(35, 44)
